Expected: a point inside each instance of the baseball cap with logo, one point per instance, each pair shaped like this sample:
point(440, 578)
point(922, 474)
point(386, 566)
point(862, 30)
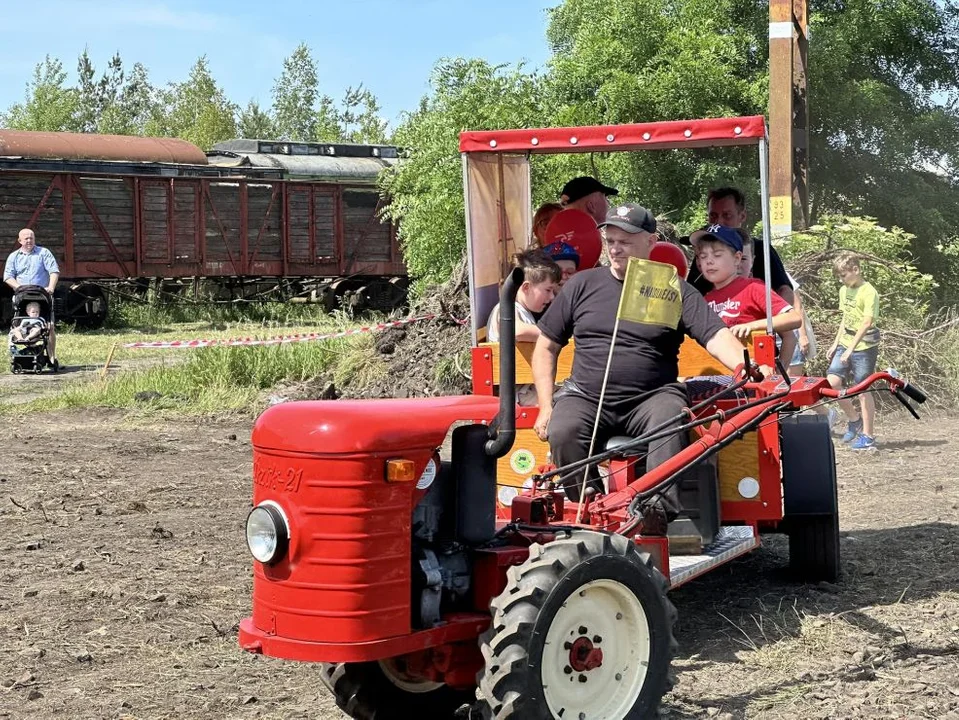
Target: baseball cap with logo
point(580, 187)
point(630, 217)
point(562, 251)
point(578, 231)
point(726, 235)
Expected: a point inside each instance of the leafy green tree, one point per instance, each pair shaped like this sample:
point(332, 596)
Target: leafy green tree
point(132, 107)
point(629, 61)
point(426, 187)
point(884, 88)
point(116, 103)
point(360, 117)
point(328, 127)
point(50, 104)
point(255, 123)
point(195, 110)
point(295, 95)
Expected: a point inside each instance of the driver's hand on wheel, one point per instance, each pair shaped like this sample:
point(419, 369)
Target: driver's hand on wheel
point(541, 426)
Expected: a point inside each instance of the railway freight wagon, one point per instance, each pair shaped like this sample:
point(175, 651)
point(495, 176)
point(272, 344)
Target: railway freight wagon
point(299, 217)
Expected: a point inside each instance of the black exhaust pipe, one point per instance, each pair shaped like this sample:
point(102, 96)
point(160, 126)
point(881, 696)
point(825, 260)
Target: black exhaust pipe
point(503, 429)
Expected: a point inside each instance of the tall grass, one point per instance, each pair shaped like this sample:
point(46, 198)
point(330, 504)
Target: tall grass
point(213, 381)
point(149, 317)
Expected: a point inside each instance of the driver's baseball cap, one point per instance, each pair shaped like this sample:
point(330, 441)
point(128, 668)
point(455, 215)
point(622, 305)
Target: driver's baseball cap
point(630, 217)
point(580, 187)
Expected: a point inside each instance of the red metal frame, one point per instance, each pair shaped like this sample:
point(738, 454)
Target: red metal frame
point(645, 136)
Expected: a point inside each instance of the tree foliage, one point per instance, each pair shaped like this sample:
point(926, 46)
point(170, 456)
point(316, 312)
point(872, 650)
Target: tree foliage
point(884, 100)
point(426, 187)
point(122, 102)
point(885, 114)
point(196, 110)
point(49, 105)
point(254, 122)
point(295, 96)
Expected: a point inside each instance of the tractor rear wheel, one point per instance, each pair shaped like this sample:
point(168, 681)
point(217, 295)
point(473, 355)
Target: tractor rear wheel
point(380, 691)
point(583, 629)
point(814, 547)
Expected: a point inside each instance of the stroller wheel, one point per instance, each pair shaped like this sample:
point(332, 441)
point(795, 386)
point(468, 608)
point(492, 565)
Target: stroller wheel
point(37, 368)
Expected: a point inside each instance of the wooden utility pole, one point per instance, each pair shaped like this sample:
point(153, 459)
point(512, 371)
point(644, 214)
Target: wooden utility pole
point(788, 116)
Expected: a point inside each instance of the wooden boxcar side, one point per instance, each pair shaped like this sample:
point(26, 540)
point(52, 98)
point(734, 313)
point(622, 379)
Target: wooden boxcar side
point(119, 226)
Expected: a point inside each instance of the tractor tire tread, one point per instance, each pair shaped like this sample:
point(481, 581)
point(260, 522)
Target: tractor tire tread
point(503, 682)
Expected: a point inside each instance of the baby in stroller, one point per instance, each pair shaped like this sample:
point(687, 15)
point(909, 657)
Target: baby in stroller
point(30, 330)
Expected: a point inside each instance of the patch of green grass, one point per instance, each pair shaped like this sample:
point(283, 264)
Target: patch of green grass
point(151, 317)
point(210, 381)
point(83, 348)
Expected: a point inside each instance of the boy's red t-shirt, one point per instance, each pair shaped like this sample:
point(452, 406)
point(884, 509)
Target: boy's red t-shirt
point(743, 301)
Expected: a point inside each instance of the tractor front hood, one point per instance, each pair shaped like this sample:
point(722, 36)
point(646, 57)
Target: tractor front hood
point(337, 427)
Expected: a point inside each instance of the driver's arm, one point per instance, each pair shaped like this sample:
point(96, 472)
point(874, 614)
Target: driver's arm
point(544, 377)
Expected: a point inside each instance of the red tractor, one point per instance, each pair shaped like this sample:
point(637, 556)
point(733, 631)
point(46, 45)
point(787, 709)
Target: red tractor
point(466, 583)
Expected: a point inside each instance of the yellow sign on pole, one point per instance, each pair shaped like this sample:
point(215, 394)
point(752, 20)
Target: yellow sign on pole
point(781, 214)
point(651, 294)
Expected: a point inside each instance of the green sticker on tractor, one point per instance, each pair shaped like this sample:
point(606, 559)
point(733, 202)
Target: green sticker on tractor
point(522, 462)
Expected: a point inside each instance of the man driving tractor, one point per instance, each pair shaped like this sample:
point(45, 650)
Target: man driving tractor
point(641, 389)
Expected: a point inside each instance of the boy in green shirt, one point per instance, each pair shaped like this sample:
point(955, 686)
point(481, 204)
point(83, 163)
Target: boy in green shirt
point(856, 348)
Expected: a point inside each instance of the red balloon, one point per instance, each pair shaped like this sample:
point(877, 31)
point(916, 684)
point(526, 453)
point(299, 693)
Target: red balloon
point(670, 254)
point(576, 228)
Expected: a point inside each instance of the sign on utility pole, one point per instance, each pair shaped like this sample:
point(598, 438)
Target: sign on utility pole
point(788, 116)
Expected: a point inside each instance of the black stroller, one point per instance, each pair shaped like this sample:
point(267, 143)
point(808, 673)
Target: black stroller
point(29, 352)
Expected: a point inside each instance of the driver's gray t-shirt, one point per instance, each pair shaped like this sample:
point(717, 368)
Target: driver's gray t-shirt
point(646, 357)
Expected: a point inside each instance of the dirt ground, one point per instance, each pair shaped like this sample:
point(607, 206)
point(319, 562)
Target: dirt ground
point(126, 575)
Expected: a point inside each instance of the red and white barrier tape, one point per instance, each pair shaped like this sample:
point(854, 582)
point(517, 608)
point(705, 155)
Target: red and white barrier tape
point(284, 339)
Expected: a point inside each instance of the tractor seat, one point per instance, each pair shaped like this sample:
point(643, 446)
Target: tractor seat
point(617, 441)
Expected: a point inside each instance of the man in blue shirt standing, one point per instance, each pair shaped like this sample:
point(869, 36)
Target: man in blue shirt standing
point(33, 265)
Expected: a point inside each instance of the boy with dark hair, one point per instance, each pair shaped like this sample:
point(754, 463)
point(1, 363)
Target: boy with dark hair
point(740, 301)
point(541, 280)
point(856, 348)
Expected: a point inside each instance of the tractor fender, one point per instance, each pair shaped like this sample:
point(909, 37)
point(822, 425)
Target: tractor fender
point(334, 427)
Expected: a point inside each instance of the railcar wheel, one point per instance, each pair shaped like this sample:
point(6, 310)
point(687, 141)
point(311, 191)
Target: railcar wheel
point(381, 691)
point(87, 306)
point(583, 629)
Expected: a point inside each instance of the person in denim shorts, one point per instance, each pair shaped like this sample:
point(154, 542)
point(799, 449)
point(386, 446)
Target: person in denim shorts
point(856, 348)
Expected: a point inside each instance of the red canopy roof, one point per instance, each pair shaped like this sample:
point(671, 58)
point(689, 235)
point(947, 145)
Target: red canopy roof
point(645, 136)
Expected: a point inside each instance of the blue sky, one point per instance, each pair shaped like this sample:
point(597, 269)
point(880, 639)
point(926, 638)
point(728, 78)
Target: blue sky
point(388, 45)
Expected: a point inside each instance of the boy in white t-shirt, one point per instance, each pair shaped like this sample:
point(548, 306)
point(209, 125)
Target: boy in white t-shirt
point(541, 280)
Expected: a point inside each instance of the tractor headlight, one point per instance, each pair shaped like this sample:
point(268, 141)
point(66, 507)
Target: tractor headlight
point(267, 532)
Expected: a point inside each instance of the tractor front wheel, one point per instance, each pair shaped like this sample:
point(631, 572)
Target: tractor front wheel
point(381, 691)
point(583, 629)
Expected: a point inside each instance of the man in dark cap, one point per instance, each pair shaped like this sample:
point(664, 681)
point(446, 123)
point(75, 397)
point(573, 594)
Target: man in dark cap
point(589, 195)
point(641, 387)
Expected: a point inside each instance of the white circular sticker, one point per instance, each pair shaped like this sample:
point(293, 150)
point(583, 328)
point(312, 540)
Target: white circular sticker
point(428, 476)
point(749, 487)
point(506, 495)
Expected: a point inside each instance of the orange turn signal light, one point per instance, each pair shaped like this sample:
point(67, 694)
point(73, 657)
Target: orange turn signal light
point(400, 471)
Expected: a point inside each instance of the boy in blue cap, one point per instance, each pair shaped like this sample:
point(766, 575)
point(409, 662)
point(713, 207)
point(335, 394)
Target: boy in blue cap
point(566, 257)
point(740, 301)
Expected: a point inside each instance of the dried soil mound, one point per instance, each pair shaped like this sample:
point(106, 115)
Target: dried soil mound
point(430, 357)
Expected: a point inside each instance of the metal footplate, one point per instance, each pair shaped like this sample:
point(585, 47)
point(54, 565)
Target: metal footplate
point(732, 541)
